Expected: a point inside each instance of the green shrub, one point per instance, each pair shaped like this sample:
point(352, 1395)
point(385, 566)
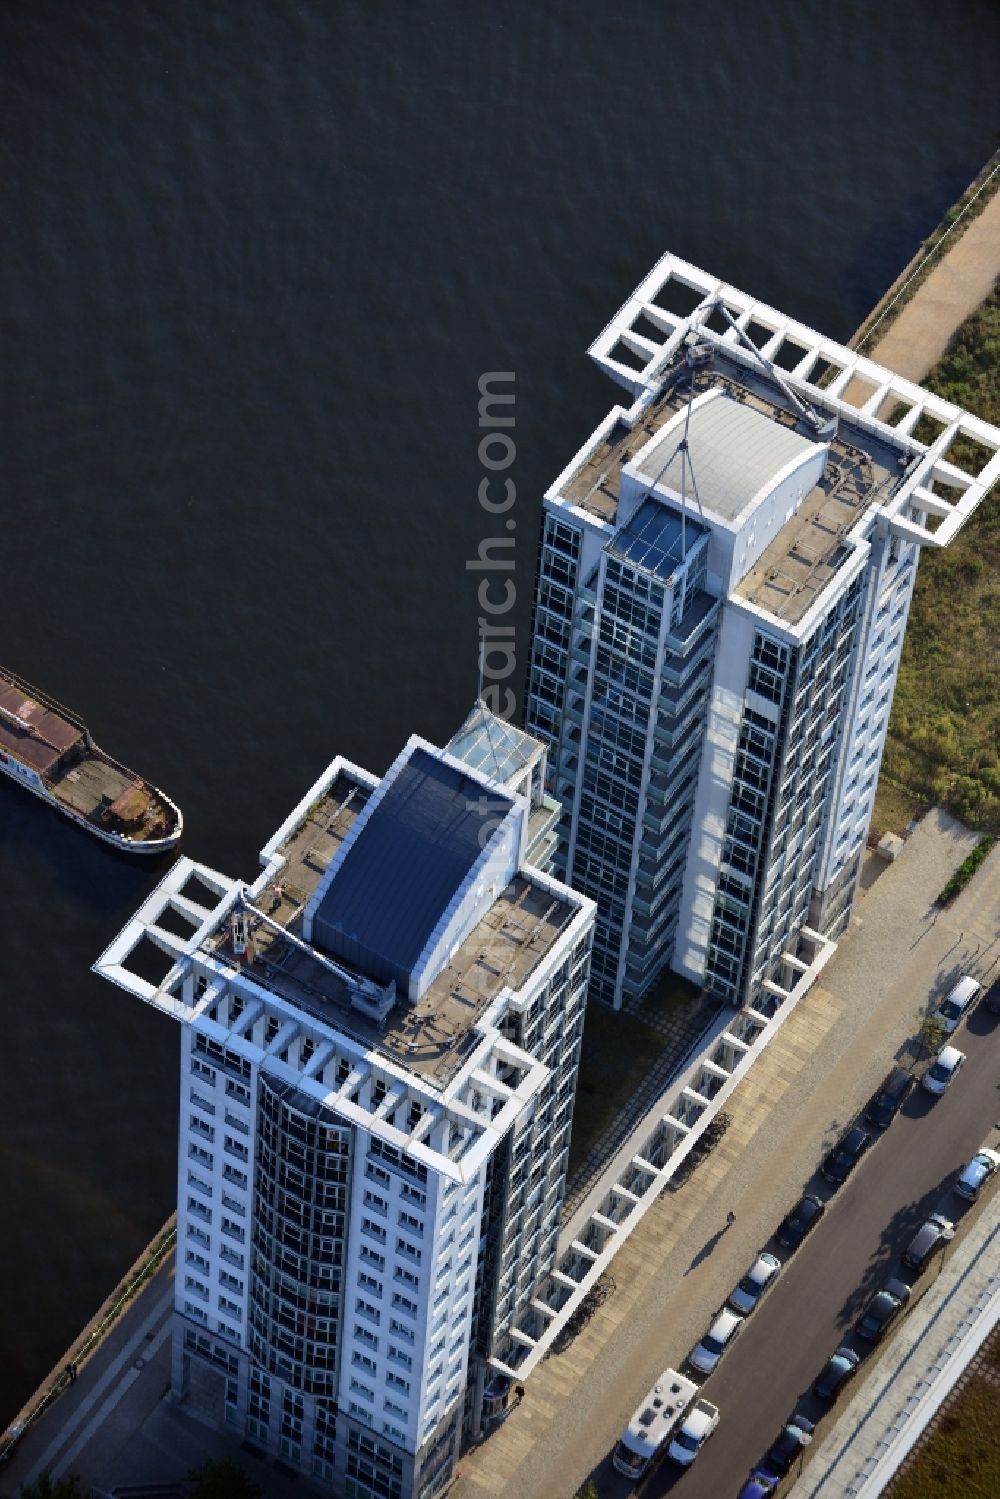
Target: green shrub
point(963, 874)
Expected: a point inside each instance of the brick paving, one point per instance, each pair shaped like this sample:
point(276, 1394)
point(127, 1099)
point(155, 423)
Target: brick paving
point(819, 1069)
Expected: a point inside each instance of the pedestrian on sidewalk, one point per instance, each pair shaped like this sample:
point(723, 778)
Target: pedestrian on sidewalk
point(730, 1218)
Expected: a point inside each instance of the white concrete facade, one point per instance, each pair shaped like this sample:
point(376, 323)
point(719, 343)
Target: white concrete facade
point(818, 476)
point(366, 1206)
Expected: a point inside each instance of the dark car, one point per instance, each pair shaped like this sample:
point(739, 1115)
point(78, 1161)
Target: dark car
point(932, 1235)
point(758, 1486)
point(839, 1369)
point(882, 1311)
point(795, 1435)
point(894, 1089)
point(845, 1155)
point(800, 1221)
point(992, 1000)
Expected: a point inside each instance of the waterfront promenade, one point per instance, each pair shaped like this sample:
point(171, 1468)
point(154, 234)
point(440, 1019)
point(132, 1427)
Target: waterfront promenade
point(116, 1425)
point(916, 337)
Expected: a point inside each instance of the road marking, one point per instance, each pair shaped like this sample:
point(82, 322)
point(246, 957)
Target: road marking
point(90, 1400)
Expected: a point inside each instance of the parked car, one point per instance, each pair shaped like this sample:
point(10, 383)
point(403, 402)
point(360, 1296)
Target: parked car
point(759, 1278)
point(758, 1486)
point(800, 1221)
point(713, 1345)
point(845, 1155)
point(931, 1236)
point(984, 1164)
point(992, 1000)
point(840, 1367)
point(793, 1437)
point(945, 1068)
point(882, 1311)
point(951, 1010)
point(894, 1089)
point(699, 1423)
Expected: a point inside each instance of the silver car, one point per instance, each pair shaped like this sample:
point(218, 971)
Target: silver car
point(978, 1171)
point(715, 1342)
point(949, 1059)
point(758, 1279)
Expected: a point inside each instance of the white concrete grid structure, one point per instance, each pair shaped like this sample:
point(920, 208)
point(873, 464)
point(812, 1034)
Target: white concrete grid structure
point(371, 1164)
point(725, 572)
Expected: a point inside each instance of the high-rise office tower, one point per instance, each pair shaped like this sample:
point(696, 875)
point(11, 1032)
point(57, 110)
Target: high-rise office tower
point(724, 576)
point(379, 1046)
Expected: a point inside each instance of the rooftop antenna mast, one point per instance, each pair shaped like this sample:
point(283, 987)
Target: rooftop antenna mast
point(700, 356)
point(824, 427)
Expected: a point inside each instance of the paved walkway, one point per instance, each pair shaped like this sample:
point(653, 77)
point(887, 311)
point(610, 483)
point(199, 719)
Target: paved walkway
point(117, 1425)
point(931, 1348)
point(821, 1067)
point(962, 279)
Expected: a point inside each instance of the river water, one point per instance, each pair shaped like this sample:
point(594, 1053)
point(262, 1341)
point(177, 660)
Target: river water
point(256, 255)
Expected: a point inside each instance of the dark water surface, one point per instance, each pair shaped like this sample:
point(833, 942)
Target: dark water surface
point(255, 257)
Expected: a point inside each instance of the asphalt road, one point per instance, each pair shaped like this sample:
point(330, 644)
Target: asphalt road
point(907, 1174)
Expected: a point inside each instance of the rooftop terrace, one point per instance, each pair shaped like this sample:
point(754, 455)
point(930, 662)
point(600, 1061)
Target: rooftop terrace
point(433, 1037)
point(862, 470)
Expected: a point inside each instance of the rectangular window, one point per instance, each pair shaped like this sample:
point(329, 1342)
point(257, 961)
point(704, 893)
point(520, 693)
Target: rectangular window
point(365, 1309)
point(404, 1304)
point(237, 1148)
point(238, 1178)
point(372, 1257)
point(373, 1230)
point(232, 1308)
point(239, 1091)
point(369, 1283)
point(401, 1330)
point(234, 1230)
point(403, 1246)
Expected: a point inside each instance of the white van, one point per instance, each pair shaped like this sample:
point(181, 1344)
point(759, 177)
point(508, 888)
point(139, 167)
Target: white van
point(952, 1010)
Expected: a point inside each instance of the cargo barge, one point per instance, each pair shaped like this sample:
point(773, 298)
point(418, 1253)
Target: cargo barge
point(48, 749)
